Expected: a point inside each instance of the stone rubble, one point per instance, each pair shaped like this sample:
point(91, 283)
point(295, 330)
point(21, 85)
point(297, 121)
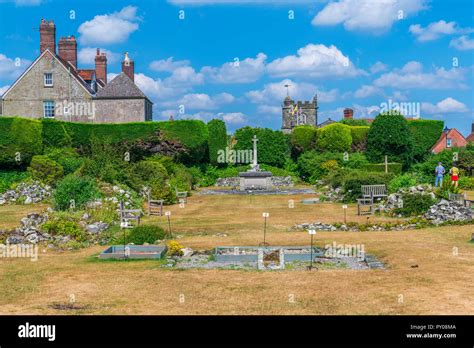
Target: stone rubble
point(26, 193)
point(394, 200)
point(444, 211)
point(319, 226)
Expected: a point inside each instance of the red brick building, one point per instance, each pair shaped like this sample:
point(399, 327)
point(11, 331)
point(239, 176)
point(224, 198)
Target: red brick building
point(449, 138)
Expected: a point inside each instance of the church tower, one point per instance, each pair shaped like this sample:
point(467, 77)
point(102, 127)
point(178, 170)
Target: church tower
point(299, 113)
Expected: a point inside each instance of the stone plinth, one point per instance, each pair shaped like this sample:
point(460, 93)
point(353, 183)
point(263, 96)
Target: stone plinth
point(255, 180)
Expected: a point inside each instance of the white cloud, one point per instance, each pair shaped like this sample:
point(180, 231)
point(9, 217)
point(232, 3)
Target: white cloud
point(245, 71)
point(378, 67)
point(276, 92)
point(412, 76)
point(314, 61)
point(367, 91)
point(4, 89)
point(462, 43)
point(433, 31)
point(360, 111)
point(11, 68)
point(239, 2)
point(168, 65)
point(233, 117)
point(109, 28)
point(184, 76)
point(445, 106)
point(28, 2)
point(156, 89)
point(269, 109)
point(374, 16)
point(87, 55)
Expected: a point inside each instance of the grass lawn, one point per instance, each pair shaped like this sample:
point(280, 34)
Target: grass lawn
point(424, 275)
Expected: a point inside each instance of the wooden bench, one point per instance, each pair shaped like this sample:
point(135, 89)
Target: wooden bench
point(458, 197)
point(129, 218)
point(369, 194)
point(155, 207)
point(182, 196)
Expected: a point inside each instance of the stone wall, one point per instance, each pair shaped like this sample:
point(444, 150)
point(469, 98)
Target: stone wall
point(119, 110)
point(277, 181)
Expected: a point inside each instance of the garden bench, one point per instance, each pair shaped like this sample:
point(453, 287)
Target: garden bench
point(155, 207)
point(182, 195)
point(369, 193)
point(458, 197)
point(129, 218)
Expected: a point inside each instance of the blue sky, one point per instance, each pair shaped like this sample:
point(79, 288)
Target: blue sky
point(230, 59)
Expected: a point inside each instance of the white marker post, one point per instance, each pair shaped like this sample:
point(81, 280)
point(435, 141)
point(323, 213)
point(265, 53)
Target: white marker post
point(265, 215)
point(311, 233)
point(168, 214)
point(344, 206)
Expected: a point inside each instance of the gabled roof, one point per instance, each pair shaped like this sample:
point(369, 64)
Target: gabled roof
point(120, 87)
point(449, 132)
point(86, 74)
point(66, 65)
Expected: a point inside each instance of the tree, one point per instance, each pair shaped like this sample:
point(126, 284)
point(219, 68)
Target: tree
point(217, 139)
point(336, 137)
point(303, 138)
point(390, 136)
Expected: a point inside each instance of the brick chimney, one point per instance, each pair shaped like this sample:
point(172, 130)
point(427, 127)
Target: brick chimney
point(348, 113)
point(67, 48)
point(128, 67)
point(47, 36)
point(101, 66)
point(472, 127)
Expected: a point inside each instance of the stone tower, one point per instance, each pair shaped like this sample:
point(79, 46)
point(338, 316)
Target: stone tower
point(299, 113)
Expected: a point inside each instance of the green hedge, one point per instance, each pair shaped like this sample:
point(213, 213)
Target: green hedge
point(303, 138)
point(359, 137)
point(395, 168)
point(19, 136)
point(425, 134)
point(217, 139)
point(355, 179)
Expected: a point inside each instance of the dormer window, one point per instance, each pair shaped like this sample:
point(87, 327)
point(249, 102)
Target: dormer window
point(448, 142)
point(48, 79)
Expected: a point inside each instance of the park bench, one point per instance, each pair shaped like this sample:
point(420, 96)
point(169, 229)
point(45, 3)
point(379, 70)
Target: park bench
point(182, 196)
point(369, 194)
point(129, 218)
point(461, 198)
point(155, 207)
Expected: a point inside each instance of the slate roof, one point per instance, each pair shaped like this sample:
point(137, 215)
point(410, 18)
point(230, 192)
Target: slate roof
point(120, 87)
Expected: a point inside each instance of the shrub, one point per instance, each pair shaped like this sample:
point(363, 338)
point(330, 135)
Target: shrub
point(425, 134)
point(146, 234)
point(74, 189)
point(67, 158)
point(20, 140)
point(303, 138)
point(7, 178)
point(217, 139)
point(401, 181)
point(414, 204)
point(334, 137)
point(445, 189)
point(353, 122)
point(390, 136)
point(395, 168)
point(45, 169)
point(64, 225)
point(174, 248)
point(466, 183)
point(359, 138)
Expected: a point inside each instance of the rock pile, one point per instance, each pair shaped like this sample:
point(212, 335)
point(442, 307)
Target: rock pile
point(228, 182)
point(394, 200)
point(30, 232)
point(26, 193)
point(445, 211)
point(319, 226)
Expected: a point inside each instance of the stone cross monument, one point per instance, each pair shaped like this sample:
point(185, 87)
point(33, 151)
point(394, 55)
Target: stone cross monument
point(254, 178)
point(254, 159)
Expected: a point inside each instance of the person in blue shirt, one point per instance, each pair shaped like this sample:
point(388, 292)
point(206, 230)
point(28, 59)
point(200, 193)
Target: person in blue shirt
point(439, 172)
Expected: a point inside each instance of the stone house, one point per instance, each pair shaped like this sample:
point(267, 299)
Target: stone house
point(54, 87)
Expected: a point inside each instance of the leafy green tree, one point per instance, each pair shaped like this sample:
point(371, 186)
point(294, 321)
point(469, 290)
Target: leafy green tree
point(303, 138)
point(390, 136)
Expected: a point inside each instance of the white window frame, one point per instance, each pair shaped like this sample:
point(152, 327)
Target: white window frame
point(48, 83)
point(51, 113)
point(449, 142)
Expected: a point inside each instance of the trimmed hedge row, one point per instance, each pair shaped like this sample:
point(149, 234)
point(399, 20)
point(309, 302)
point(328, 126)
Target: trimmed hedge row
point(425, 134)
point(28, 137)
point(395, 168)
point(20, 140)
